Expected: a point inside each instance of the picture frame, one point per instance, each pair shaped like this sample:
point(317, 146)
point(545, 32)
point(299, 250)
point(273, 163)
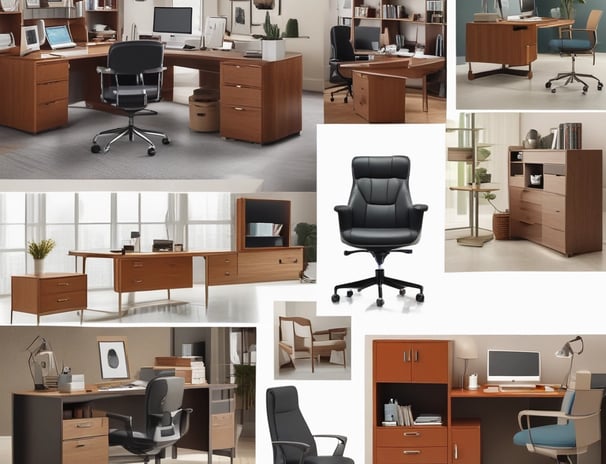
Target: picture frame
point(113, 358)
point(241, 17)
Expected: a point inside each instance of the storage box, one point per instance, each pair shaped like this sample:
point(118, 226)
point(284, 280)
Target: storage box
point(204, 110)
point(261, 229)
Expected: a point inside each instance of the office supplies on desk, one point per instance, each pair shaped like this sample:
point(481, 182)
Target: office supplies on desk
point(59, 37)
point(162, 245)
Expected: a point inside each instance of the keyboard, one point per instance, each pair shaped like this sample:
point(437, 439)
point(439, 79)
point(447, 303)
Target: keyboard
point(72, 52)
point(517, 386)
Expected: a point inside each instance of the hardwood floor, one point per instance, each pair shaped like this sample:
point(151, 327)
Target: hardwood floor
point(338, 112)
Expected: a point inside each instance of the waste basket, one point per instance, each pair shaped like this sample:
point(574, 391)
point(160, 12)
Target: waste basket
point(204, 110)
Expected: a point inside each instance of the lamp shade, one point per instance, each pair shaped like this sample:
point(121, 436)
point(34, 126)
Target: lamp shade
point(567, 351)
point(465, 348)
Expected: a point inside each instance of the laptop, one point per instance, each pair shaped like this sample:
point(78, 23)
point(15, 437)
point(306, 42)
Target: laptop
point(59, 37)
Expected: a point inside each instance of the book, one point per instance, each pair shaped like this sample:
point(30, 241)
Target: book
point(186, 361)
point(428, 419)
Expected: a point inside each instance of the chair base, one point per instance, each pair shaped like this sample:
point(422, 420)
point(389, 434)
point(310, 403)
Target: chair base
point(379, 280)
point(346, 89)
point(571, 77)
point(131, 131)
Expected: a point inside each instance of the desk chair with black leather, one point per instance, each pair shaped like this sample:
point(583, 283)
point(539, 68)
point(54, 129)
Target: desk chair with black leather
point(131, 80)
point(579, 41)
point(380, 218)
point(341, 51)
point(165, 422)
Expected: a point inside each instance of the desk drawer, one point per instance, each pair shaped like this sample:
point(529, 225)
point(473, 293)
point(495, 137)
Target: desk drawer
point(239, 95)
point(412, 455)
point(244, 74)
point(270, 265)
point(241, 122)
point(50, 72)
point(521, 229)
point(554, 238)
point(554, 211)
point(223, 432)
point(81, 428)
point(52, 91)
point(60, 285)
point(154, 273)
point(407, 436)
point(50, 115)
point(545, 156)
point(222, 269)
point(62, 302)
point(554, 183)
point(86, 450)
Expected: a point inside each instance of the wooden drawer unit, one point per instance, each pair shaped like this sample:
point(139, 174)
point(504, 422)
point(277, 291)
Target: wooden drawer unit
point(222, 269)
point(412, 455)
point(239, 74)
point(50, 98)
point(241, 122)
point(270, 264)
point(85, 440)
point(48, 293)
point(379, 98)
point(157, 273)
point(223, 430)
point(466, 441)
point(411, 436)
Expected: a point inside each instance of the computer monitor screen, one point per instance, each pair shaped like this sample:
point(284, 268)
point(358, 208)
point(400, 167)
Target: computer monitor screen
point(172, 20)
point(112, 358)
point(214, 31)
point(527, 8)
point(59, 37)
point(29, 40)
point(508, 366)
point(367, 38)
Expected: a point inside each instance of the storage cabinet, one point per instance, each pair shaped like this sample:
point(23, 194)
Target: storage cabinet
point(222, 269)
point(131, 275)
point(466, 441)
point(556, 198)
point(48, 293)
point(416, 373)
point(85, 440)
point(379, 98)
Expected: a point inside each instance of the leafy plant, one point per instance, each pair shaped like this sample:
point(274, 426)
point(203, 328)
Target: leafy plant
point(245, 375)
point(307, 237)
point(40, 249)
point(568, 7)
point(490, 197)
point(272, 31)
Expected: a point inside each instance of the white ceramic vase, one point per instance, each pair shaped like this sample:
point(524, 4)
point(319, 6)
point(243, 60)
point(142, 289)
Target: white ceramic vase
point(273, 50)
point(38, 266)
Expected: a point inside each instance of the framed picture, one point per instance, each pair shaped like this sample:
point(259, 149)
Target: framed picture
point(112, 358)
point(240, 17)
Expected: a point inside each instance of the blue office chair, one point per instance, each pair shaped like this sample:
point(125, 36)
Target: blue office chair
point(577, 427)
point(131, 80)
point(575, 44)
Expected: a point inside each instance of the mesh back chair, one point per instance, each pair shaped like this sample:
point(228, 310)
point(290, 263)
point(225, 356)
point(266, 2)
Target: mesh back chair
point(165, 422)
point(341, 51)
point(291, 438)
point(579, 41)
point(380, 218)
point(131, 80)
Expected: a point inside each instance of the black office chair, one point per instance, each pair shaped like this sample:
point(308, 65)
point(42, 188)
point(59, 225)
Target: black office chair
point(165, 422)
point(341, 51)
point(291, 438)
point(131, 80)
point(380, 218)
point(579, 41)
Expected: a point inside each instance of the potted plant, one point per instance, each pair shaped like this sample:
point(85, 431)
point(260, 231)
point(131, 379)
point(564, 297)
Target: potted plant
point(307, 238)
point(39, 251)
point(272, 45)
point(568, 8)
point(500, 219)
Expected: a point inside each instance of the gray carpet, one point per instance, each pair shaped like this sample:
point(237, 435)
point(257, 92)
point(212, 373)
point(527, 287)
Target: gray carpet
point(288, 165)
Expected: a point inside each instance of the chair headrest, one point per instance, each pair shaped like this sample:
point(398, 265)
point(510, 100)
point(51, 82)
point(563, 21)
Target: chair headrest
point(283, 399)
point(381, 167)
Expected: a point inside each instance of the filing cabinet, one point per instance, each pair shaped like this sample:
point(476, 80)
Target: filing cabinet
point(85, 440)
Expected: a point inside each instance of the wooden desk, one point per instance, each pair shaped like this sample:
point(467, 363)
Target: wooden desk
point(261, 100)
point(538, 392)
point(66, 428)
point(508, 43)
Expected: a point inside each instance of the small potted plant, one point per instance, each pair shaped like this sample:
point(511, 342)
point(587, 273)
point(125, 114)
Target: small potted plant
point(500, 219)
point(272, 45)
point(39, 251)
point(307, 237)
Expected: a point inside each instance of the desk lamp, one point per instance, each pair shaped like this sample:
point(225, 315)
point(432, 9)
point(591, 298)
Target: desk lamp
point(568, 352)
point(41, 362)
point(465, 349)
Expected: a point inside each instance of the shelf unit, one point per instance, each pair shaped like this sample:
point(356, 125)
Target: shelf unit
point(556, 198)
point(10, 21)
point(416, 373)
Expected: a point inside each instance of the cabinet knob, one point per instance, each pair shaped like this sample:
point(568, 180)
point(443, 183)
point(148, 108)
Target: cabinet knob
point(227, 273)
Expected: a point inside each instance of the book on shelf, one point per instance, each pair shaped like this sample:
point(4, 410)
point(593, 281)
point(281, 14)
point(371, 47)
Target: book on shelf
point(570, 136)
point(428, 419)
point(185, 361)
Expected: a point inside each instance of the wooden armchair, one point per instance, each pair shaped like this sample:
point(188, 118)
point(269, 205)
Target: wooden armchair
point(298, 340)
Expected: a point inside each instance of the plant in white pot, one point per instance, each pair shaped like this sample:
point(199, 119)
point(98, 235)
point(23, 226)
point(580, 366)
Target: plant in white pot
point(272, 45)
point(39, 251)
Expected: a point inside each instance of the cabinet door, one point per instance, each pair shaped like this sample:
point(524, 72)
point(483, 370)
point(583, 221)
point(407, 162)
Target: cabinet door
point(430, 362)
point(392, 361)
point(466, 443)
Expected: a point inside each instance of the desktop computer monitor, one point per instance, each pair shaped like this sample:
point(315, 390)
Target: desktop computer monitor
point(113, 359)
point(527, 8)
point(367, 38)
point(30, 41)
point(508, 367)
point(172, 20)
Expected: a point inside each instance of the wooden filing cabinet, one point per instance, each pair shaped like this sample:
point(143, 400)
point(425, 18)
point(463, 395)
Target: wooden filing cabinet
point(466, 441)
point(222, 269)
point(379, 98)
point(48, 293)
point(161, 272)
point(85, 440)
point(261, 100)
point(270, 264)
point(556, 198)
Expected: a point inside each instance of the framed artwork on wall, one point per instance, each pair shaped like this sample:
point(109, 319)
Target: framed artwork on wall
point(240, 17)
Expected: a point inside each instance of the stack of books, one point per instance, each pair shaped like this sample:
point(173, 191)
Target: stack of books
point(428, 419)
point(191, 368)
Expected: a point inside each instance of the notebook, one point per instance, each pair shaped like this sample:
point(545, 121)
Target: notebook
point(59, 37)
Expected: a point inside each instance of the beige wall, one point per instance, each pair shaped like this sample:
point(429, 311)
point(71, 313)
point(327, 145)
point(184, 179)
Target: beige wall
point(75, 347)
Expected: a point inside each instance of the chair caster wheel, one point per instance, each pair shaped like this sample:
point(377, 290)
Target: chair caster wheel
point(600, 86)
point(585, 89)
point(151, 151)
point(332, 99)
point(335, 298)
point(402, 292)
point(547, 85)
point(345, 100)
point(165, 141)
point(553, 90)
point(95, 148)
point(420, 297)
point(380, 302)
point(349, 293)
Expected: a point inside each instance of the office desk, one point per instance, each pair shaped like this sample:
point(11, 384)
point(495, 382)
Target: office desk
point(261, 101)
point(508, 43)
point(70, 428)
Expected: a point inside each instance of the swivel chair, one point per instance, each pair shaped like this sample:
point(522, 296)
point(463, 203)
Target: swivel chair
point(577, 427)
point(380, 218)
point(341, 51)
point(575, 45)
point(291, 438)
point(131, 80)
point(165, 422)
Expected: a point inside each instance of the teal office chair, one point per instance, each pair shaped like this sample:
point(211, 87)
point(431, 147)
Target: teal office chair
point(579, 41)
point(577, 427)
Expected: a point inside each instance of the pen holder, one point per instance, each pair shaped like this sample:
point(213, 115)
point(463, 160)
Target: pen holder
point(473, 382)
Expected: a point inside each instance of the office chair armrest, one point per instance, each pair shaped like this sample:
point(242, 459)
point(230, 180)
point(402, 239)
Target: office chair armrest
point(345, 213)
point(528, 413)
point(105, 70)
point(184, 423)
point(127, 421)
point(303, 447)
point(154, 70)
point(340, 448)
point(416, 215)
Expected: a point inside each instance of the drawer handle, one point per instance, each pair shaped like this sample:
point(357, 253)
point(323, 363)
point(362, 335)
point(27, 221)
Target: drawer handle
point(227, 273)
point(139, 281)
point(456, 451)
point(138, 264)
point(62, 300)
point(238, 108)
point(84, 425)
point(63, 284)
point(80, 445)
point(411, 452)
point(412, 434)
point(227, 260)
point(238, 86)
point(288, 261)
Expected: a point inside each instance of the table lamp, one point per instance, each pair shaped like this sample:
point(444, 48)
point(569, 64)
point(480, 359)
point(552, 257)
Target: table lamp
point(465, 349)
point(41, 362)
point(568, 352)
